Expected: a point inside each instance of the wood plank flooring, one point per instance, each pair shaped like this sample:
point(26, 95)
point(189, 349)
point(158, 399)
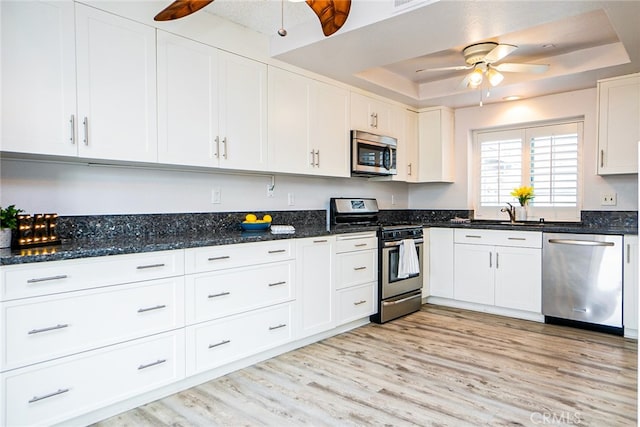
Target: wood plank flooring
point(437, 367)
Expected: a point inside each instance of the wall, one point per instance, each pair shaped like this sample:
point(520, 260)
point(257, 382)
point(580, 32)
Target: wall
point(82, 189)
point(565, 105)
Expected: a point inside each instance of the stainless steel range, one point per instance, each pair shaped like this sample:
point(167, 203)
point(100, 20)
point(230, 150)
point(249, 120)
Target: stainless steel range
point(399, 256)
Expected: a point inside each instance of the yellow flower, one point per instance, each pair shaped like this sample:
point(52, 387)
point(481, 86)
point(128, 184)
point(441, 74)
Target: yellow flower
point(523, 194)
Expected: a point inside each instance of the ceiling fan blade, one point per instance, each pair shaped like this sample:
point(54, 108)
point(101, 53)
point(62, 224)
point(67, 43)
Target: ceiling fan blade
point(332, 13)
point(499, 52)
point(180, 9)
point(454, 68)
point(521, 68)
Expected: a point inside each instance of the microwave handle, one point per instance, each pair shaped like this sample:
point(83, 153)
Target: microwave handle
point(386, 159)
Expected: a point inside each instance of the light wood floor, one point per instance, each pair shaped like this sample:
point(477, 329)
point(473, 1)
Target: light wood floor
point(439, 366)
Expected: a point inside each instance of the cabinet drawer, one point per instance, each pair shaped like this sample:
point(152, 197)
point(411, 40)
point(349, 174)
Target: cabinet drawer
point(52, 392)
point(528, 239)
point(199, 260)
point(28, 280)
point(355, 268)
point(214, 295)
point(216, 343)
point(356, 302)
point(356, 242)
point(38, 329)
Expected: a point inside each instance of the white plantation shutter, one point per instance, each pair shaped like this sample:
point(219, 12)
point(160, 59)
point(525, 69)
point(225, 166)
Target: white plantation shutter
point(544, 157)
point(554, 165)
point(500, 166)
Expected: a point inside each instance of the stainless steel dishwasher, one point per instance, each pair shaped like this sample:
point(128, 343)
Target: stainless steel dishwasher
point(582, 280)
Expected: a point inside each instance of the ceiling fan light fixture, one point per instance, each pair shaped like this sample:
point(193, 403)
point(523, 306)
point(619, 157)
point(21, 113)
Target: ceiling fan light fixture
point(475, 77)
point(494, 76)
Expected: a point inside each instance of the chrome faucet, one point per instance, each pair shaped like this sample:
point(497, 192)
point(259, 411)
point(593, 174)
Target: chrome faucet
point(511, 210)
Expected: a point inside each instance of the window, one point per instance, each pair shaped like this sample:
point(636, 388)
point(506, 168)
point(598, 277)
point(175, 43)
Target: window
point(544, 157)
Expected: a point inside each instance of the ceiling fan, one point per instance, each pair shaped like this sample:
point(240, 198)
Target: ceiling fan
point(332, 13)
point(481, 58)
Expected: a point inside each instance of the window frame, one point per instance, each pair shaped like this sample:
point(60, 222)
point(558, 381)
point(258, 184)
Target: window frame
point(569, 214)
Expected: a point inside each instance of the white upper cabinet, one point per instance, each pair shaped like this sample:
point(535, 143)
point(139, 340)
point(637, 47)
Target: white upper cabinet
point(211, 106)
point(308, 125)
point(618, 125)
point(116, 65)
point(329, 130)
point(187, 101)
point(372, 115)
point(407, 159)
point(242, 90)
point(435, 145)
point(38, 77)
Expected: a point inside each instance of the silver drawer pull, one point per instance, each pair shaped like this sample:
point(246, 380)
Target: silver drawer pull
point(142, 267)
point(359, 302)
point(157, 307)
point(282, 325)
point(221, 294)
point(277, 251)
point(216, 258)
point(320, 241)
point(277, 283)
point(46, 279)
point(51, 328)
point(472, 236)
point(46, 396)
point(223, 342)
point(360, 268)
point(157, 362)
point(580, 242)
point(516, 238)
point(360, 245)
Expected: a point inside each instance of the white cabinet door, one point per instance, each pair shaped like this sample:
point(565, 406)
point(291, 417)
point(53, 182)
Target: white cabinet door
point(38, 77)
point(315, 294)
point(474, 274)
point(289, 97)
point(518, 282)
point(618, 125)
point(407, 155)
point(187, 101)
point(440, 262)
point(630, 286)
point(116, 66)
point(329, 130)
point(243, 113)
point(436, 145)
point(371, 115)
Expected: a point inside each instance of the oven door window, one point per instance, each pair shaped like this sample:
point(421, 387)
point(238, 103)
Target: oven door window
point(376, 156)
point(394, 262)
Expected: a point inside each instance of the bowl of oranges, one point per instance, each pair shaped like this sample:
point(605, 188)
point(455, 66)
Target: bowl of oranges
point(252, 223)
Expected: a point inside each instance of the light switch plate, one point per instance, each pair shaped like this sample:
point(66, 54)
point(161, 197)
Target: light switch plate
point(216, 196)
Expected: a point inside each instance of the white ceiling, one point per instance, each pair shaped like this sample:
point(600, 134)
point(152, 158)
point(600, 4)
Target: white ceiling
point(380, 47)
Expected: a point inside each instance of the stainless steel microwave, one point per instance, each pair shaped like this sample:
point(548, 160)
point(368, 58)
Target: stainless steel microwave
point(372, 154)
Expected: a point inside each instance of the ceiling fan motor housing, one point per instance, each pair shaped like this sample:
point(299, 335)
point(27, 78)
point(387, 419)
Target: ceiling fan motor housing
point(475, 53)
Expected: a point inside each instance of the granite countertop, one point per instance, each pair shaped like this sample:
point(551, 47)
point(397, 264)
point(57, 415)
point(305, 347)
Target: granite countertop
point(86, 248)
point(547, 227)
point(94, 247)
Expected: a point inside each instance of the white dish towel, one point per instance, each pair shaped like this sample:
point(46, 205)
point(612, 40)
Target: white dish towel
point(408, 263)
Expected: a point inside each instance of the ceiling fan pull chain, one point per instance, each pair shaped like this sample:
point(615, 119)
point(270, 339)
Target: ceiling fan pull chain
point(282, 32)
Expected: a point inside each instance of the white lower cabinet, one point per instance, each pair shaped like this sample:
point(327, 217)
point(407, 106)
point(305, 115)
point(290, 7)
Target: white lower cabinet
point(61, 389)
point(440, 278)
point(215, 343)
point(356, 276)
point(498, 268)
point(630, 286)
point(315, 293)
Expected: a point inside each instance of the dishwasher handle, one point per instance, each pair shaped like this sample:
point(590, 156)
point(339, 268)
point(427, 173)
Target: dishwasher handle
point(580, 242)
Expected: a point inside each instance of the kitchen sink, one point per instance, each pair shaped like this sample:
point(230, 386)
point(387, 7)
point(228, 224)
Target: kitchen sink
point(517, 223)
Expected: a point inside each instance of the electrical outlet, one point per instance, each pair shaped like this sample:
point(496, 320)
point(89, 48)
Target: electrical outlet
point(291, 199)
point(216, 196)
point(269, 190)
point(609, 199)
point(393, 199)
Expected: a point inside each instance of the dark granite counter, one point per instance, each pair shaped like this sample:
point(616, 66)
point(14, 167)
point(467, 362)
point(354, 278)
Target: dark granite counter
point(93, 236)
